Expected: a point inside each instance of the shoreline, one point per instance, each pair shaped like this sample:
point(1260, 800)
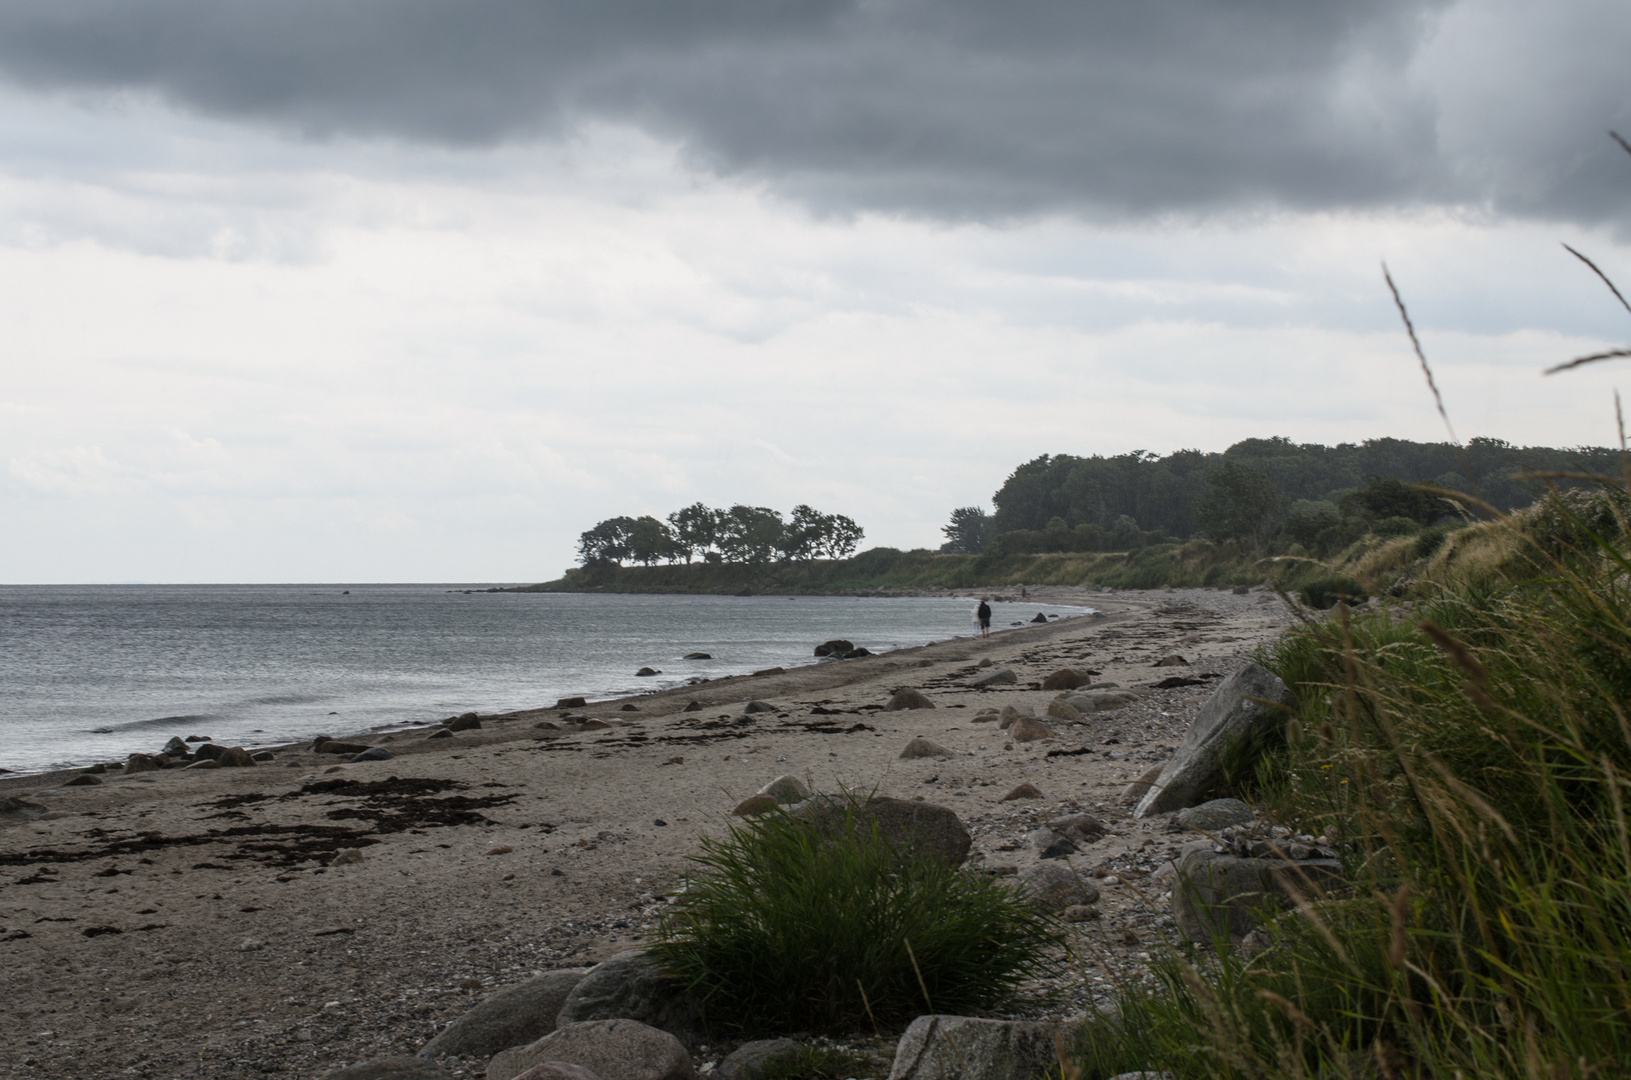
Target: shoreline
point(195, 922)
point(377, 731)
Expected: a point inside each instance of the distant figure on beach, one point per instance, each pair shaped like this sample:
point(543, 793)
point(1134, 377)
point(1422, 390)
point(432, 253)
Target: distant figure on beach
point(1022, 593)
point(983, 614)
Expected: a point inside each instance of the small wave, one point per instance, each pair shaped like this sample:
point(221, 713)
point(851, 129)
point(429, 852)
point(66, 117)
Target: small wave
point(287, 699)
point(162, 721)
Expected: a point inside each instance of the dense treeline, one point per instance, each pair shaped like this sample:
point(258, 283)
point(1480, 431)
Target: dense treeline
point(1270, 492)
point(749, 535)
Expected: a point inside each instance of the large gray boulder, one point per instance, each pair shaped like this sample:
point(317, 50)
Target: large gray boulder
point(908, 825)
point(514, 1016)
point(611, 1049)
point(972, 1048)
point(1217, 895)
point(1215, 816)
point(631, 986)
point(1244, 706)
point(391, 1068)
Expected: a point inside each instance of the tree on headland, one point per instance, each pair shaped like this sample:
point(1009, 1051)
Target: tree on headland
point(1239, 503)
point(968, 532)
point(748, 535)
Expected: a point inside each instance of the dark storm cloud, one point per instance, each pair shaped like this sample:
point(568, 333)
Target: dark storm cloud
point(952, 108)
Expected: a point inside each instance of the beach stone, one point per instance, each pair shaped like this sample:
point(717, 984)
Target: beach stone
point(1060, 709)
point(1215, 894)
point(198, 738)
point(558, 1070)
point(986, 716)
point(757, 706)
point(514, 1016)
point(234, 757)
point(261, 757)
point(444, 733)
point(835, 647)
point(349, 749)
point(204, 763)
point(176, 745)
point(1066, 679)
point(1050, 845)
point(464, 722)
point(693, 706)
point(1026, 729)
point(646, 673)
point(754, 805)
point(908, 699)
point(1172, 660)
point(786, 790)
point(919, 827)
point(698, 656)
point(1000, 677)
point(857, 652)
point(1023, 791)
point(593, 725)
point(1054, 886)
point(1080, 828)
point(1105, 700)
point(920, 747)
point(611, 1049)
point(1236, 710)
point(748, 1061)
point(373, 753)
point(771, 671)
point(1079, 913)
point(1010, 713)
point(632, 986)
point(973, 1048)
point(208, 751)
point(1215, 816)
point(985, 662)
point(84, 779)
point(628, 706)
point(571, 703)
point(347, 857)
point(391, 1068)
point(136, 763)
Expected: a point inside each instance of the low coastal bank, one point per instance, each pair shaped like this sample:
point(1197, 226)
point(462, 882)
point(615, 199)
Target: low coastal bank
point(196, 923)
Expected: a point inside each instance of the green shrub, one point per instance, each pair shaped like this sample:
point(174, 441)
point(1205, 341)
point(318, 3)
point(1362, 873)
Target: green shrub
point(1396, 526)
point(785, 928)
point(1324, 592)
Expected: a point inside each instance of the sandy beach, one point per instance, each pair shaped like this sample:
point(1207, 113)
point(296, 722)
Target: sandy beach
point(185, 923)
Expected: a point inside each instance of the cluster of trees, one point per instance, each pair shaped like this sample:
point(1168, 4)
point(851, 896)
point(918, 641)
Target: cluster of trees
point(1266, 492)
point(752, 535)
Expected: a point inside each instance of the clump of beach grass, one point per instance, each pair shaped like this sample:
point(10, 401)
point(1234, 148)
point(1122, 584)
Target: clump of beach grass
point(785, 927)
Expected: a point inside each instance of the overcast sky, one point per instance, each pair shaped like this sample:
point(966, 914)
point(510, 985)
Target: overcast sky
point(418, 290)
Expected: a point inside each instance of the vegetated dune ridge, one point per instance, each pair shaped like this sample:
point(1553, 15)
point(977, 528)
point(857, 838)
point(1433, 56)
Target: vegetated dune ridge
point(184, 923)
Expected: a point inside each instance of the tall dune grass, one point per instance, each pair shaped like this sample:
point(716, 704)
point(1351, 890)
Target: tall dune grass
point(1474, 749)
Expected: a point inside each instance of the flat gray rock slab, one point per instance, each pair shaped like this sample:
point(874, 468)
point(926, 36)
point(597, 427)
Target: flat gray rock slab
point(1245, 705)
point(973, 1048)
point(611, 1049)
point(514, 1016)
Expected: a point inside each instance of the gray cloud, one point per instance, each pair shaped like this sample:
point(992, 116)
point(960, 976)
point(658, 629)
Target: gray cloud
point(958, 109)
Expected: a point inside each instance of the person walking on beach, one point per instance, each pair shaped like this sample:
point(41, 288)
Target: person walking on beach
point(983, 614)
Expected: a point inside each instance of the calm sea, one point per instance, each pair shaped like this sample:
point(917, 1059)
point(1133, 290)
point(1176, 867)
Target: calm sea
point(92, 673)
